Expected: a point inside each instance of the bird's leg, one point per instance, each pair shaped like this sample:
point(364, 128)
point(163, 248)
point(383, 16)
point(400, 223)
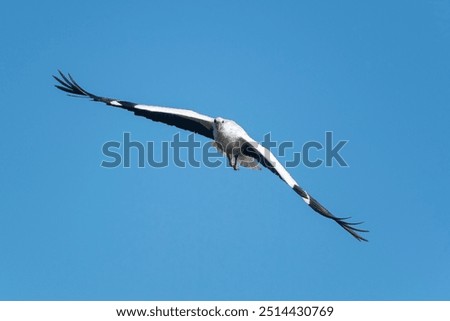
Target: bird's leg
point(236, 164)
point(232, 160)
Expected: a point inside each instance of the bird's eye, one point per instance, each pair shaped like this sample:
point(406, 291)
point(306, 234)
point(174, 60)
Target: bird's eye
point(223, 121)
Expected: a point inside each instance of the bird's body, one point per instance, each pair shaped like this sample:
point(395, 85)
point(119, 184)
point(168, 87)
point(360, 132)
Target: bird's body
point(229, 138)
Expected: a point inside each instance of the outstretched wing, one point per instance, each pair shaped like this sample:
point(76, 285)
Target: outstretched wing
point(181, 118)
point(267, 159)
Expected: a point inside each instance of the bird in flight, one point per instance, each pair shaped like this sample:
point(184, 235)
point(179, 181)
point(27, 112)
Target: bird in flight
point(228, 137)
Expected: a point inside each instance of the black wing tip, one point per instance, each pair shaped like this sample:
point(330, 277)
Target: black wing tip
point(67, 84)
point(342, 221)
point(354, 231)
point(70, 86)
point(349, 227)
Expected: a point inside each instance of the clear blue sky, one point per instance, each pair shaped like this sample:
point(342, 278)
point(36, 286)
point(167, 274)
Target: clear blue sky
point(374, 73)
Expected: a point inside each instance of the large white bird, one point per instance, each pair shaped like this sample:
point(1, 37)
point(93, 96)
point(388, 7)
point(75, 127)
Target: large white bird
point(229, 138)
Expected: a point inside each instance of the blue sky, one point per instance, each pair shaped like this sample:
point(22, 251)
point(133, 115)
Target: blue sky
point(374, 73)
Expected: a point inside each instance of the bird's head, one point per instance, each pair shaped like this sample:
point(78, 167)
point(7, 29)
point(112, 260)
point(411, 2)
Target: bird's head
point(219, 121)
